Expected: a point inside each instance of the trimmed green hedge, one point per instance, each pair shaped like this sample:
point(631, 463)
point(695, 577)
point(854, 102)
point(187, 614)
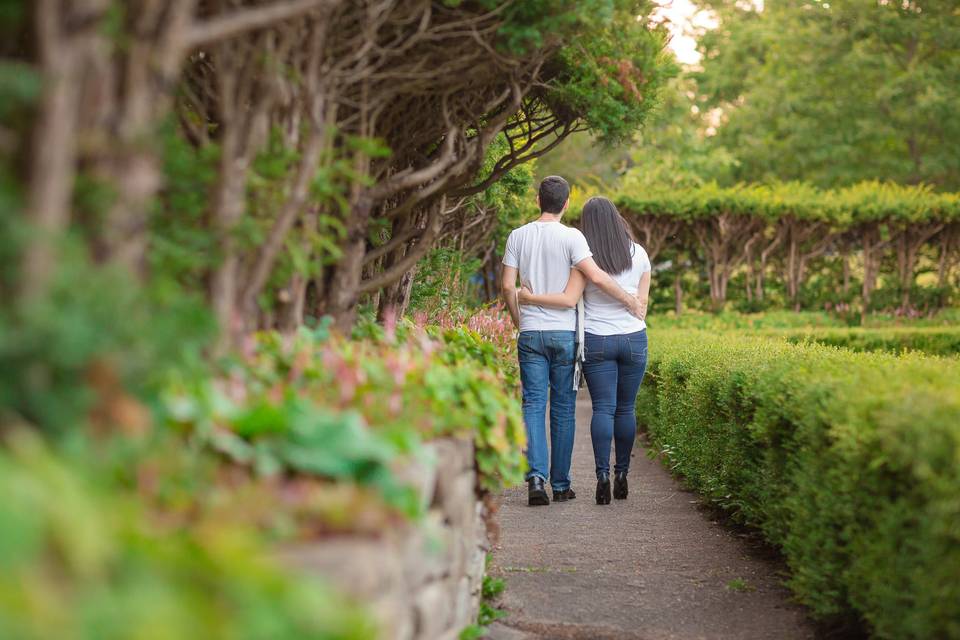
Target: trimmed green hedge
point(938, 341)
point(871, 201)
point(849, 462)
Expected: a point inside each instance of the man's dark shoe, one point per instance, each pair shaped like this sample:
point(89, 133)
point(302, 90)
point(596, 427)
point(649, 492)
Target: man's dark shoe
point(537, 492)
point(603, 488)
point(563, 496)
point(620, 485)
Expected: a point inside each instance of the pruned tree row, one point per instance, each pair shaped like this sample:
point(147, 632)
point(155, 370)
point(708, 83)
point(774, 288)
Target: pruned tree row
point(783, 228)
point(309, 152)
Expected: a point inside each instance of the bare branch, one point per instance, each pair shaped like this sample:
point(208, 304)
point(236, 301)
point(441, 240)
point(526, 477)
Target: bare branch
point(238, 22)
point(394, 273)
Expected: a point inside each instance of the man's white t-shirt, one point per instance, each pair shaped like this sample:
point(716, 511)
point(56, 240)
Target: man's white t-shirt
point(544, 253)
point(604, 315)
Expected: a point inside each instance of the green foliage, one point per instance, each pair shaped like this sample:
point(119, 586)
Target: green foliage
point(869, 202)
point(609, 63)
point(939, 341)
point(488, 614)
point(719, 322)
point(182, 248)
point(298, 436)
point(449, 278)
point(740, 585)
point(612, 73)
point(443, 281)
point(20, 85)
point(78, 559)
point(492, 587)
point(346, 409)
point(847, 461)
point(835, 92)
point(672, 151)
point(511, 198)
point(788, 320)
point(93, 318)
point(486, 336)
point(528, 26)
point(11, 14)
point(777, 214)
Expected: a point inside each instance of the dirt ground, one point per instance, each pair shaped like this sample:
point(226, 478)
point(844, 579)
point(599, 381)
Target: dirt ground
point(655, 566)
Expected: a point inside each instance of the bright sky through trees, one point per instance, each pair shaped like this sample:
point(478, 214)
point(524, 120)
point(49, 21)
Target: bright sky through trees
point(685, 20)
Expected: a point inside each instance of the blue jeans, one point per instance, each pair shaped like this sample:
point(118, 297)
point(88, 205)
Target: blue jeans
point(614, 368)
point(546, 362)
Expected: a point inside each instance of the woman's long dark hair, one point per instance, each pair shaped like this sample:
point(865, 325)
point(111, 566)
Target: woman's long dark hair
point(608, 235)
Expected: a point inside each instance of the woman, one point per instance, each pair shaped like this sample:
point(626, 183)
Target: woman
point(615, 341)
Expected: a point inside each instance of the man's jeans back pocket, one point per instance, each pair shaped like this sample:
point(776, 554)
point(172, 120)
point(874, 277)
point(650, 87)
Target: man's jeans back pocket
point(561, 350)
point(527, 346)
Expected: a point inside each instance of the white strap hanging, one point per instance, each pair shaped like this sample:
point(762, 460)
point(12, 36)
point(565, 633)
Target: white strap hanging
point(579, 355)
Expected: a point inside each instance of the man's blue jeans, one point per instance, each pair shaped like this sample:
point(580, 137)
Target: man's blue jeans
point(546, 363)
point(614, 368)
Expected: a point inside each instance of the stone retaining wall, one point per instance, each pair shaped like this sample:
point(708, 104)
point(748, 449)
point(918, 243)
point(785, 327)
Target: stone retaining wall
point(421, 581)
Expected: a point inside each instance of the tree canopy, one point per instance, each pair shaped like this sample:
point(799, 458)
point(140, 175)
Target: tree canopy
point(835, 92)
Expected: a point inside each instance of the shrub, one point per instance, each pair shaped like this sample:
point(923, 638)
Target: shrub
point(847, 461)
point(80, 559)
point(940, 341)
point(746, 321)
point(170, 528)
point(346, 409)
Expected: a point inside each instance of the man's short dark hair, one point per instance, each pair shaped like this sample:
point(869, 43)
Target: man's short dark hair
point(554, 192)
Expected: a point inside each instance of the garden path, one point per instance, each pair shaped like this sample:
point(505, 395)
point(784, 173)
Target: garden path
point(653, 567)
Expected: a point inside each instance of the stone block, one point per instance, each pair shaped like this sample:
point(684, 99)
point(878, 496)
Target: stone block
point(420, 473)
point(363, 568)
point(395, 616)
point(427, 555)
point(463, 611)
point(454, 455)
point(456, 498)
point(433, 609)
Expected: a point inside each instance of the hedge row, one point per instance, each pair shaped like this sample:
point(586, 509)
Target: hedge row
point(860, 203)
point(849, 462)
point(938, 341)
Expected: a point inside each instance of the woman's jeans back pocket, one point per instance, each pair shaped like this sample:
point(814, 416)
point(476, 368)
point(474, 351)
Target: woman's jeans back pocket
point(638, 348)
point(593, 348)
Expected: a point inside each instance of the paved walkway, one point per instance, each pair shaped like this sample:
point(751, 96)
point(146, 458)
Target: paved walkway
point(652, 567)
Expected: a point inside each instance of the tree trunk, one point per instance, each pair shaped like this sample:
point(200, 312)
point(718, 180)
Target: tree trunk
point(909, 242)
point(871, 246)
point(296, 200)
point(793, 269)
point(845, 266)
point(395, 298)
point(764, 257)
point(228, 208)
point(904, 270)
point(343, 291)
point(944, 259)
point(678, 292)
point(949, 252)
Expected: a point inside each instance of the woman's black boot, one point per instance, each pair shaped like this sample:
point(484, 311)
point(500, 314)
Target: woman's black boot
point(603, 488)
point(620, 485)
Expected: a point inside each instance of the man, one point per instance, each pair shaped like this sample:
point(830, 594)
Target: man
point(543, 252)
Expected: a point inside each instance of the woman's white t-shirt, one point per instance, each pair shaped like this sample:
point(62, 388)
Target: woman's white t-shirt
point(604, 315)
